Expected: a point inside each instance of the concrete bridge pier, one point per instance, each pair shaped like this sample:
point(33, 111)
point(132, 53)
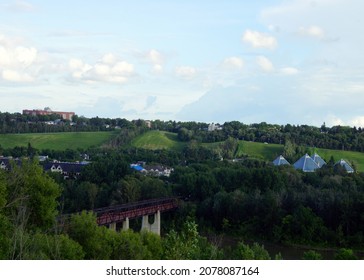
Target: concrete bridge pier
point(126, 224)
point(155, 227)
point(112, 226)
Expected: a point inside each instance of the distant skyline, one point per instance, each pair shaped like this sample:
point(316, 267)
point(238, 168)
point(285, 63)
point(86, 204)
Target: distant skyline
point(278, 61)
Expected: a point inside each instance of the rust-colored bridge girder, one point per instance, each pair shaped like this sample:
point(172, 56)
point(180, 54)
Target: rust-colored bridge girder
point(119, 213)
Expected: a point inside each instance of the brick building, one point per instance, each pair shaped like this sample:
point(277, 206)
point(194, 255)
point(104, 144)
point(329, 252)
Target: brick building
point(48, 111)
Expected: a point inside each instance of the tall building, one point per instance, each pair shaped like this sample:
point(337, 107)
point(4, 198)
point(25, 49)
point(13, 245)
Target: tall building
point(48, 111)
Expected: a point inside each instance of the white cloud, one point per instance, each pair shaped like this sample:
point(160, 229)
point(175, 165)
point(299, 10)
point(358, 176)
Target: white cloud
point(157, 68)
point(259, 40)
point(186, 72)
point(16, 61)
point(17, 57)
point(15, 76)
point(122, 68)
point(155, 57)
point(109, 58)
point(289, 71)
point(333, 120)
point(233, 63)
point(357, 121)
point(312, 31)
point(265, 64)
point(78, 68)
point(108, 69)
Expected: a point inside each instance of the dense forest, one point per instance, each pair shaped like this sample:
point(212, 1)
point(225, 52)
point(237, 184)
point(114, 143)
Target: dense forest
point(250, 201)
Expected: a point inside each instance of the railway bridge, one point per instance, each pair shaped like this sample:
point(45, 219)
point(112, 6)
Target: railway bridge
point(111, 216)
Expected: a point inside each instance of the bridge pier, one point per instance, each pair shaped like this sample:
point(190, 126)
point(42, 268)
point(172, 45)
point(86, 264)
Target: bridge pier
point(155, 227)
point(126, 224)
point(112, 226)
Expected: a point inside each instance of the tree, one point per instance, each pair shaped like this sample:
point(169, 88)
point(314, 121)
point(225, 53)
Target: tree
point(183, 246)
point(289, 150)
point(184, 134)
point(312, 255)
point(129, 245)
point(32, 195)
point(94, 240)
point(5, 237)
point(53, 247)
point(254, 252)
point(345, 254)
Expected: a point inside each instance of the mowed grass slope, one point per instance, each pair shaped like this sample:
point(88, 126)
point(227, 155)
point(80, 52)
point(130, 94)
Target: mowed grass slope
point(353, 158)
point(56, 141)
point(259, 150)
point(158, 140)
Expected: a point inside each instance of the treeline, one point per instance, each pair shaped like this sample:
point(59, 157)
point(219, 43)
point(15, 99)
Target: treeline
point(19, 123)
point(336, 137)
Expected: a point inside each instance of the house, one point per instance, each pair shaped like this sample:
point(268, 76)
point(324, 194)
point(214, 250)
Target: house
point(345, 165)
point(280, 161)
point(159, 170)
point(43, 158)
point(213, 127)
point(306, 164)
point(67, 169)
point(5, 162)
point(152, 170)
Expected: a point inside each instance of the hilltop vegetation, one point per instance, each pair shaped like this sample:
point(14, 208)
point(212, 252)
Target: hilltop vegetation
point(159, 140)
point(56, 141)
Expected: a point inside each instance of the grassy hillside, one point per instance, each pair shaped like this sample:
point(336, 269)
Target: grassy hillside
point(56, 141)
point(354, 158)
point(155, 140)
point(259, 150)
point(158, 140)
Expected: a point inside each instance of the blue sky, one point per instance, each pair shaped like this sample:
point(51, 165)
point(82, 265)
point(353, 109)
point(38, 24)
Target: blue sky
point(278, 61)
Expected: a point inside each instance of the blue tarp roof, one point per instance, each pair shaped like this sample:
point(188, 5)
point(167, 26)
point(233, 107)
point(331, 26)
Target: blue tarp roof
point(137, 167)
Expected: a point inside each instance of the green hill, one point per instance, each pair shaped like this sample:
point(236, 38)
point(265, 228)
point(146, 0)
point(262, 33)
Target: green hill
point(158, 140)
point(259, 150)
point(56, 141)
point(354, 158)
point(155, 140)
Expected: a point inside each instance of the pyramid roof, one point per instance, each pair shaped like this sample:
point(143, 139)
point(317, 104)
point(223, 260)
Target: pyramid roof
point(280, 161)
point(346, 165)
point(316, 158)
point(306, 164)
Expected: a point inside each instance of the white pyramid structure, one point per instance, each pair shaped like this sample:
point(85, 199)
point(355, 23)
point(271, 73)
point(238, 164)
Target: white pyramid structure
point(320, 162)
point(280, 161)
point(306, 164)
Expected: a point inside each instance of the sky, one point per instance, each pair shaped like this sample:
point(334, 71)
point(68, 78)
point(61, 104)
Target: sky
point(275, 61)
